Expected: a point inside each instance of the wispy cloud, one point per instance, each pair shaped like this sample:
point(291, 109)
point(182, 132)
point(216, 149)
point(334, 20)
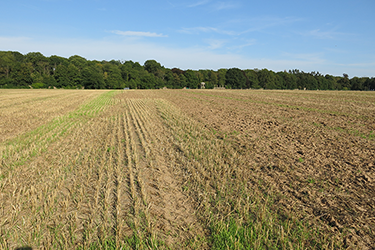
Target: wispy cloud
point(336, 50)
point(310, 57)
point(317, 33)
point(197, 30)
point(215, 43)
point(260, 24)
point(137, 33)
point(216, 6)
point(321, 34)
point(247, 25)
point(361, 65)
point(263, 23)
point(226, 5)
point(199, 3)
point(243, 45)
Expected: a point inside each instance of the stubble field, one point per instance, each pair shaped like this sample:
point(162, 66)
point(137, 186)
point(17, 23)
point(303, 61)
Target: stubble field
point(194, 169)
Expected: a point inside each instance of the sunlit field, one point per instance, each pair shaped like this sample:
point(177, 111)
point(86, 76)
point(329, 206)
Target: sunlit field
point(187, 169)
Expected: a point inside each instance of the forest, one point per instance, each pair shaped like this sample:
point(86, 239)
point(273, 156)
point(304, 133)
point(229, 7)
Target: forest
point(34, 70)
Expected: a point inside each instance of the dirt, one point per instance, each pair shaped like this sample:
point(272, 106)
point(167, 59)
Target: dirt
point(315, 149)
point(110, 176)
point(172, 211)
point(122, 172)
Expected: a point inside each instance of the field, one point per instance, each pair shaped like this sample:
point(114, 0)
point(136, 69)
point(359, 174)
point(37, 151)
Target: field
point(187, 169)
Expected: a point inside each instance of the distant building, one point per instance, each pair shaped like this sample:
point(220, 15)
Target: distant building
point(203, 85)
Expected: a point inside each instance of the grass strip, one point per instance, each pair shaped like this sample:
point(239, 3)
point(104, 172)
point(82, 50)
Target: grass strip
point(17, 151)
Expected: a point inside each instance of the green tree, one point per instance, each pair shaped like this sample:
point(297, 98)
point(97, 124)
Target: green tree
point(176, 81)
point(49, 81)
point(280, 80)
point(74, 76)
point(221, 77)
point(330, 82)
point(78, 61)
point(34, 58)
point(18, 57)
point(7, 62)
point(192, 80)
point(21, 74)
point(344, 82)
point(149, 81)
point(57, 60)
point(252, 78)
point(39, 61)
point(61, 76)
point(92, 77)
point(290, 80)
point(311, 82)
point(357, 83)
point(37, 77)
point(152, 67)
point(113, 76)
point(267, 79)
point(137, 66)
point(169, 79)
point(213, 80)
point(183, 81)
point(369, 84)
point(133, 84)
point(235, 79)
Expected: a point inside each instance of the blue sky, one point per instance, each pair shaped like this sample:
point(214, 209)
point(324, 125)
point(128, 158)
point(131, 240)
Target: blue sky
point(330, 36)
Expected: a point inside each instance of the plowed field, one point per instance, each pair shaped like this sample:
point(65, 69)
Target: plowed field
point(193, 169)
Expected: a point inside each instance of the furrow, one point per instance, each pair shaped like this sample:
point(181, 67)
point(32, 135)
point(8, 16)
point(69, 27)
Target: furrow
point(132, 162)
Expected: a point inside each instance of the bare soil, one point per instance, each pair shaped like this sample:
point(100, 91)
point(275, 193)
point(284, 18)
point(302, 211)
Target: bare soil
point(125, 170)
point(314, 148)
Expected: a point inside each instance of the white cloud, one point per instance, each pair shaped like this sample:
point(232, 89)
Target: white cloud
point(226, 5)
point(320, 34)
point(317, 58)
point(216, 5)
point(215, 43)
point(243, 45)
point(197, 30)
point(262, 23)
point(317, 33)
point(199, 3)
point(137, 33)
point(14, 40)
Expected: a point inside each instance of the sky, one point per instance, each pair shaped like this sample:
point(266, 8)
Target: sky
point(329, 36)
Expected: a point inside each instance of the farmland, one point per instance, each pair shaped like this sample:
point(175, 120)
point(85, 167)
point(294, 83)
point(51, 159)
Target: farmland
point(193, 169)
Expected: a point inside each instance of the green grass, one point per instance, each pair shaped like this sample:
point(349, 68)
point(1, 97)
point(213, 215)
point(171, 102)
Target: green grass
point(31, 144)
point(264, 229)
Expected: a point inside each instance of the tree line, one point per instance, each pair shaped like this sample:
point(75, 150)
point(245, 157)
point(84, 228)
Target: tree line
point(34, 70)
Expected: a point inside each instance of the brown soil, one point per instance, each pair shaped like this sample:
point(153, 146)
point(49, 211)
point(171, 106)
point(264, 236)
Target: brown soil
point(171, 210)
point(124, 171)
point(110, 176)
point(314, 148)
